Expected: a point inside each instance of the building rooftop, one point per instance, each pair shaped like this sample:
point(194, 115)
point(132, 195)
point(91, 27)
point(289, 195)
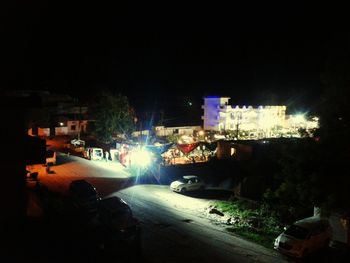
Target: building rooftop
point(216, 97)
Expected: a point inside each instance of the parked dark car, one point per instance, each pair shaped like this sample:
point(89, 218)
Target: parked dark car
point(120, 227)
point(84, 197)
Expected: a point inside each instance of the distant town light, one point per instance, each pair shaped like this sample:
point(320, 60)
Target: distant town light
point(61, 123)
point(268, 121)
point(263, 122)
point(219, 136)
point(299, 118)
point(186, 139)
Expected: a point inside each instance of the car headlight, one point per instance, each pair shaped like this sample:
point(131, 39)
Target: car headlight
point(277, 240)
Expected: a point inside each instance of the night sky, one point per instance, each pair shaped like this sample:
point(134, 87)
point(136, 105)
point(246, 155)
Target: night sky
point(80, 52)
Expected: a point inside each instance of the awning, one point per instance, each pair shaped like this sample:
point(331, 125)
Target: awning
point(187, 148)
point(159, 149)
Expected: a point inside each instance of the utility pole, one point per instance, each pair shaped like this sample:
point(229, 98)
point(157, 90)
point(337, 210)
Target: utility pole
point(77, 104)
point(140, 140)
point(79, 116)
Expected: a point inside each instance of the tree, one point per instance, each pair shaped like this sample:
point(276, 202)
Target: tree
point(113, 116)
point(335, 124)
point(314, 174)
point(296, 186)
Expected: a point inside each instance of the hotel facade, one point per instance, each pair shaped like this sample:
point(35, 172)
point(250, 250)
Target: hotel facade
point(258, 122)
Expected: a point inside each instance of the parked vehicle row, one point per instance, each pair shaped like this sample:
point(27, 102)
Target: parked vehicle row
point(298, 240)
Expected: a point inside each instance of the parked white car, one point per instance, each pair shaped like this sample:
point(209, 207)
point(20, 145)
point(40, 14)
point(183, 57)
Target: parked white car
point(93, 153)
point(304, 236)
point(77, 143)
point(187, 183)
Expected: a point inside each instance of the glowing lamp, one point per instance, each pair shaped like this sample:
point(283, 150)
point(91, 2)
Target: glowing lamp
point(299, 118)
point(141, 157)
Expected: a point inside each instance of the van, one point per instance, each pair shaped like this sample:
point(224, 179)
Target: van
point(50, 157)
point(304, 236)
point(93, 153)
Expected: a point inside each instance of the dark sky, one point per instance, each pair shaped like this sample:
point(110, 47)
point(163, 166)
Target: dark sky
point(80, 51)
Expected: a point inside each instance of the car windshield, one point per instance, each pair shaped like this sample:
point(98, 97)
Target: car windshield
point(86, 193)
point(185, 180)
point(83, 190)
point(297, 232)
point(115, 208)
point(49, 153)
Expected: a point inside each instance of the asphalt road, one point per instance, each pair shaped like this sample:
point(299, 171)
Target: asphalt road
point(174, 227)
point(176, 230)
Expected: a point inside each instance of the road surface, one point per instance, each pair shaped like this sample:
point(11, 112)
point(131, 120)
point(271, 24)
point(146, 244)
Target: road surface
point(174, 226)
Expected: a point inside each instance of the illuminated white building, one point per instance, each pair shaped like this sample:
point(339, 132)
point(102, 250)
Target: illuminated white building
point(260, 121)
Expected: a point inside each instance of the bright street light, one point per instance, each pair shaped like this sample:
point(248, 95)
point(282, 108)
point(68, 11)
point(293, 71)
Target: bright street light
point(141, 157)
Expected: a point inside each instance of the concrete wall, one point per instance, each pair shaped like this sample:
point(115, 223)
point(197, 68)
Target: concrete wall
point(211, 107)
point(64, 130)
point(189, 130)
point(230, 150)
point(44, 132)
point(73, 126)
point(138, 133)
point(340, 228)
point(180, 130)
point(61, 130)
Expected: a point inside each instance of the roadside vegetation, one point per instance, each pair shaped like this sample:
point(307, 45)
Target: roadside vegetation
point(249, 220)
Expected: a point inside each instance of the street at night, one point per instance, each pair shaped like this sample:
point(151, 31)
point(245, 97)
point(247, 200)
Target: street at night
point(174, 227)
point(225, 140)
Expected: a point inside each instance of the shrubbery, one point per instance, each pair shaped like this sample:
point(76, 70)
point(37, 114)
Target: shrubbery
point(253, 221)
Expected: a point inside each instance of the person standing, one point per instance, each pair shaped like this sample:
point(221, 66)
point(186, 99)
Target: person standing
point(107, 156)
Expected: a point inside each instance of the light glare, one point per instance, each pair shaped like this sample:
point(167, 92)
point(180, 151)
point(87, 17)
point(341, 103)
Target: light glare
point(141, 157)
